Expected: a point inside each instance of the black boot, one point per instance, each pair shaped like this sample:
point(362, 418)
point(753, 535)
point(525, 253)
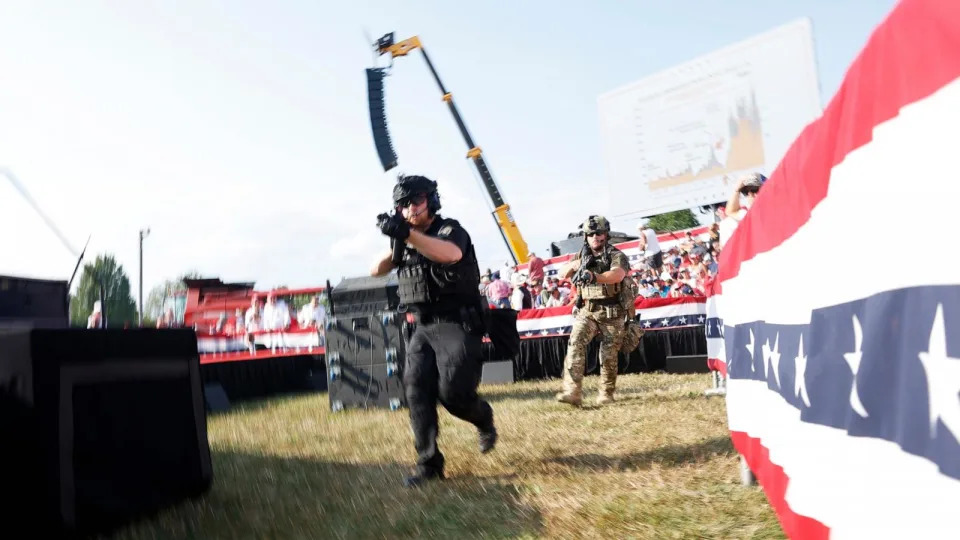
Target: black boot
point(422, 477)
point(487, 440)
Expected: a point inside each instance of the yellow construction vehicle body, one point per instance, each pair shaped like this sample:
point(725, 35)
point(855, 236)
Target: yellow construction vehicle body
point(512, 233)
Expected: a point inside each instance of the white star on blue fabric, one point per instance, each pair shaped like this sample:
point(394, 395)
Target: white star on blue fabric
point(771, 358)
point(750, 347)
point(800, 381)
point(853, 360)
point(943, 379)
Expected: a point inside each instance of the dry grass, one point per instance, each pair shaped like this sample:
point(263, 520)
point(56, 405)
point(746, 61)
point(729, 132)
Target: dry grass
point(657, 464)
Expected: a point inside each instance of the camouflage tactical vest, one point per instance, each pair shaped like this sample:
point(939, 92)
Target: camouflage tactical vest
point(599, 265)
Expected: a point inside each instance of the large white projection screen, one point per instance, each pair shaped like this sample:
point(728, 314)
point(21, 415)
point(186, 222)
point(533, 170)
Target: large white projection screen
point(681, 138)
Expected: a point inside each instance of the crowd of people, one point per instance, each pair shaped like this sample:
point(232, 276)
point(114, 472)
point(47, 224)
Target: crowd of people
point(686, 269)
point(274, 314)
point(511, 289)
point(268, 313)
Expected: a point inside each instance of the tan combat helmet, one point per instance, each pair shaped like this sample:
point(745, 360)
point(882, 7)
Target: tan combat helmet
point(595, 224)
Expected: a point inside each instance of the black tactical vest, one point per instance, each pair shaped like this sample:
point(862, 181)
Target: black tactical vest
point(427, 286)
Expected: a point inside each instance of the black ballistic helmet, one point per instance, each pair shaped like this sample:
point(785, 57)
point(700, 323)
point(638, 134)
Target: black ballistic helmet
point(408, 186)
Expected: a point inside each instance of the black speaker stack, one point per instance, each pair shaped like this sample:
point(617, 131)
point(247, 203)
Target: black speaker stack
point(365, 345)
point(33, 303)
point(378, 118)
point(98, 427)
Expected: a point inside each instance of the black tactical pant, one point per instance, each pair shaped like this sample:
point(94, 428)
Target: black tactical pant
point(443, 362)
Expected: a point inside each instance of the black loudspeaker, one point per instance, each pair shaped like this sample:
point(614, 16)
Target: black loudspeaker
point(33, 303)
point(692, 363)
point(98, 427)
point(502, 331)
point(378, 118)
point(365, 296)
point(365, 357)
point(216, 397)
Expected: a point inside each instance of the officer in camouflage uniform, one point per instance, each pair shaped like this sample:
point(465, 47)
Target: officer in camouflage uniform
point(599, 272)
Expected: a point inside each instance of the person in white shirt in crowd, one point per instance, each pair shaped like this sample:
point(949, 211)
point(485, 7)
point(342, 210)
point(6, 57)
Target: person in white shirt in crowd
point(555, 299)
point(506, 273)
point(312, 315)
point(650, 246)
point(254, 315)
point(252, 323)
point(276, 318)
point(649, 289)
point(484, 281)
point(564, 288)
point(221, 325)
point(239, 324)
point(748, 187)
point(521, 298)
point(96, 317)
point(276, 314)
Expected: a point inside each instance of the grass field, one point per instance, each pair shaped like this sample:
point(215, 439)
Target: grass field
point(656, 464)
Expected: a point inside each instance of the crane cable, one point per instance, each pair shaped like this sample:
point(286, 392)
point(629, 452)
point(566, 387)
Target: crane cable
point(26, 195)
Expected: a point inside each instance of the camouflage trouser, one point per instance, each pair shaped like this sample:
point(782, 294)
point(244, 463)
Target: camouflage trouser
point(585, 327)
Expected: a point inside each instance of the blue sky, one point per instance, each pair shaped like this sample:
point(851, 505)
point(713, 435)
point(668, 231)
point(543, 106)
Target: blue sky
point(239, 131)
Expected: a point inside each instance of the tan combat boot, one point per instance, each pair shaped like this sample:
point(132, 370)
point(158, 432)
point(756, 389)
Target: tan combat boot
point(573, 398)
point(605, 398)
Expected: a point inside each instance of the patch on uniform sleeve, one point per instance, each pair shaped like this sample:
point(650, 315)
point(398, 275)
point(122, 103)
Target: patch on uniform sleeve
point(622, 260)
point(445, 230)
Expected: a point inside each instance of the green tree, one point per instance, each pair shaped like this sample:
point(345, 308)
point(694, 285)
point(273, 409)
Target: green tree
point(673, 221)
point(153, 305)
point(120, 307)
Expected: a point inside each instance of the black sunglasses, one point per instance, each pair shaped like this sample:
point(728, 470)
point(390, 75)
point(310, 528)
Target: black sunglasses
point(589, 234)
point(417, 199)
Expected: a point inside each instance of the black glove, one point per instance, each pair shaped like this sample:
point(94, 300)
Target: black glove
point(393, 226)
point(586, 278)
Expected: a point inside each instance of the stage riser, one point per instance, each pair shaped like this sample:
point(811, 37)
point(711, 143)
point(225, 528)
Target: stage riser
point(540, 358)
point(261, 378)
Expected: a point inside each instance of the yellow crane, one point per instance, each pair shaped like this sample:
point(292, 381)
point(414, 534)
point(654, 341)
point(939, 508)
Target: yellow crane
point(388, 158)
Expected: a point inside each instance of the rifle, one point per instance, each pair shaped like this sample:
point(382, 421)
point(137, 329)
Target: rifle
point(579, 277)
point(396, 246)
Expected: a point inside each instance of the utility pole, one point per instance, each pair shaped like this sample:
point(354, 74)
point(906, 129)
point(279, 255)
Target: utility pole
point(143, 234)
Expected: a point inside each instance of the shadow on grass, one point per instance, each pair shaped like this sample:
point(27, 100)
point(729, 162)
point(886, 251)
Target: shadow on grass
point(520, 394)
point(589, 394)
point(667, 456)
point(255, 496)
point(240, 406)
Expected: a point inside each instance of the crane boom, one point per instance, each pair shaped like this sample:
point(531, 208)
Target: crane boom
point(501, 214)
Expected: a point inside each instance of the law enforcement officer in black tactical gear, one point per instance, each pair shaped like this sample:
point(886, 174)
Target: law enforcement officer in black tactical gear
point(439, 287)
